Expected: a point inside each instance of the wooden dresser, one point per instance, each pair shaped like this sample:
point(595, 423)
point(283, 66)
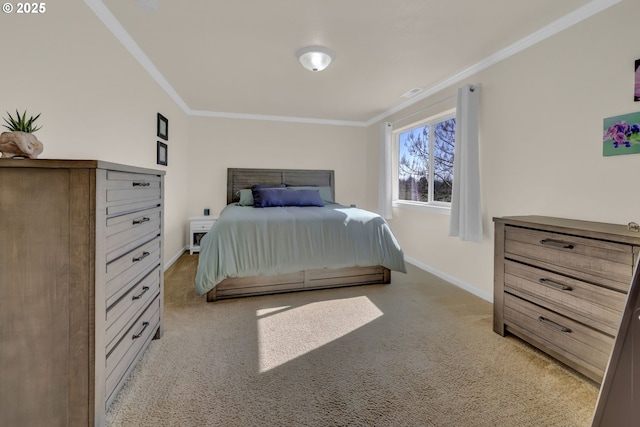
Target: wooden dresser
point(81, 285)
point(561, 285)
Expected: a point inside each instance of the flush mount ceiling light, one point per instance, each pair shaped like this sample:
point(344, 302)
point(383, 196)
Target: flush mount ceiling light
point(315, 58)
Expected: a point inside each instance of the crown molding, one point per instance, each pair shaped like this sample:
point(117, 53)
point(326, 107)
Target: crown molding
point(289, 119)
point(588, 10)
point(592, 8)
point(110, 21)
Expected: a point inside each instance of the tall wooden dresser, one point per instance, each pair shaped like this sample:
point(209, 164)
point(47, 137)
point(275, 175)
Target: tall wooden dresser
point(561, 285)
point(81, 285)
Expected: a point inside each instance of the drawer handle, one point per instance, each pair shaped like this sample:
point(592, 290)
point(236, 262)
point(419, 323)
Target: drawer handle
point(141, 184)
point(554, 285)
point(553, 325)
point(144, 290)
point(557, 244)
point(139, 334)
point(140, 221)
point(143, 256)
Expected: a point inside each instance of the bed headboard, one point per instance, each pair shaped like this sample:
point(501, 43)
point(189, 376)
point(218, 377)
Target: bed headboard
point(238, 179)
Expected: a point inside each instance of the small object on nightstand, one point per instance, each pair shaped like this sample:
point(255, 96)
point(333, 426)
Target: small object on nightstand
point(352, 205)
point(198, 227)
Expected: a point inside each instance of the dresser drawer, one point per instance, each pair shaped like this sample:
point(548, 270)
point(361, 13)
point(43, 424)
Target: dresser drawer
point(608, 263)
point(571, 340)
point(201, 225)
point(125, 232)
point(120, 359)
point(127, 192)
point(122, 271)
point(121, 315)
point(593, 305)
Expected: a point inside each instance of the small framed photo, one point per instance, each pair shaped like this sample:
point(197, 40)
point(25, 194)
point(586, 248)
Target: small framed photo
point(162, 154)
point(636, 88)
point(163, 127)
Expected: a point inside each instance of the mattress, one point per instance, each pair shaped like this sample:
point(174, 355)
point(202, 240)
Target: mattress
point(247, 241)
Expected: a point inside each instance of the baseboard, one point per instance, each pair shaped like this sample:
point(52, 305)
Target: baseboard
point(175, 258)
point(475, 291)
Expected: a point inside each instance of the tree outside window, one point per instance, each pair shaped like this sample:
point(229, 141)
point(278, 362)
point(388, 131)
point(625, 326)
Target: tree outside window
point(425, 161)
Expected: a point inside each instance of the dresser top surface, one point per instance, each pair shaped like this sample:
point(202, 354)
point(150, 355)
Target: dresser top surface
point(74, 164)
point(593, 229)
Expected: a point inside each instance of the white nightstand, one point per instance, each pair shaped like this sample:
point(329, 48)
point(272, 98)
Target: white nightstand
point(198, 227)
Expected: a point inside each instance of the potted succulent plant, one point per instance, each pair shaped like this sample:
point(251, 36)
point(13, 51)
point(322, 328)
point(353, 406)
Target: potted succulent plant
point(20, 141)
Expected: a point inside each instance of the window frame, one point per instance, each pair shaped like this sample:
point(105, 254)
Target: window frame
point(432, 205)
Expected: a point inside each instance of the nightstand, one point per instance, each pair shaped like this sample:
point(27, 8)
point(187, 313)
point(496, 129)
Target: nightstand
point(198, 227)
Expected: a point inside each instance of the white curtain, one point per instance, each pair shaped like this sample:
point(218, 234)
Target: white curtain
point(384, 185)
point(466, 212)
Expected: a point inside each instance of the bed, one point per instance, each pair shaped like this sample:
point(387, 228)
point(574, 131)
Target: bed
point(257, 251)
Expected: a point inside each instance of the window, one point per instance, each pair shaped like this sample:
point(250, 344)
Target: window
point(424, 166)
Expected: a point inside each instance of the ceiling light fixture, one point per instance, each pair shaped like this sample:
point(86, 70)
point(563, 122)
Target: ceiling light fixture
point(315, 58)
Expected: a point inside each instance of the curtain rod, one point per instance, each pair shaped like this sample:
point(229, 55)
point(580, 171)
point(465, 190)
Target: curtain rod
point(472, 88)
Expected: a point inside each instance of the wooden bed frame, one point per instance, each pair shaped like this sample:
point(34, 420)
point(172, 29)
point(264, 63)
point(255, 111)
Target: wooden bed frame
point(238, 179)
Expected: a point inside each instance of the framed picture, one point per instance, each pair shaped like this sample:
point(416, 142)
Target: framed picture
point(621, 135)
point(163, 127)
point(162, 153)
point(636, 89)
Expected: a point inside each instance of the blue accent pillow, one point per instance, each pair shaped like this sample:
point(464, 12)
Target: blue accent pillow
point(246, 195)
point(257, 186)
point(325, 192)
point(274, 197)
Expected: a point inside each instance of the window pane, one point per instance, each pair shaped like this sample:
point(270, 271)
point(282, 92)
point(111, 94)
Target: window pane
point(444, 138)
point(413, 167)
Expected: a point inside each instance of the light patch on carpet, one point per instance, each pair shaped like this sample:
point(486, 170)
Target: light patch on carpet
point(285, 334)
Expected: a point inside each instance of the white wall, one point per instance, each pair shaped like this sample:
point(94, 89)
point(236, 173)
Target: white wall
point(220, 143)
point(540, 130)
point(96, 101)
point(541, 118)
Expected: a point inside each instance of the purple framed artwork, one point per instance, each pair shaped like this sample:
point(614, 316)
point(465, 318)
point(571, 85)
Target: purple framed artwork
point(636, 91)
point(621, 135)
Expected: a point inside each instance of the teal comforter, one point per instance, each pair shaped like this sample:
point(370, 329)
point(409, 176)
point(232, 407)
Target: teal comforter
point(247, 241)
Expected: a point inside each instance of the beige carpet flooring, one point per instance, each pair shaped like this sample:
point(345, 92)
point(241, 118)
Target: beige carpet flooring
point(417, 352)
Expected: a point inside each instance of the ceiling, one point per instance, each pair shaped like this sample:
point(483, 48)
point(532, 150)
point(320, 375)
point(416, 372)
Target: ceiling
point(236, 58)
